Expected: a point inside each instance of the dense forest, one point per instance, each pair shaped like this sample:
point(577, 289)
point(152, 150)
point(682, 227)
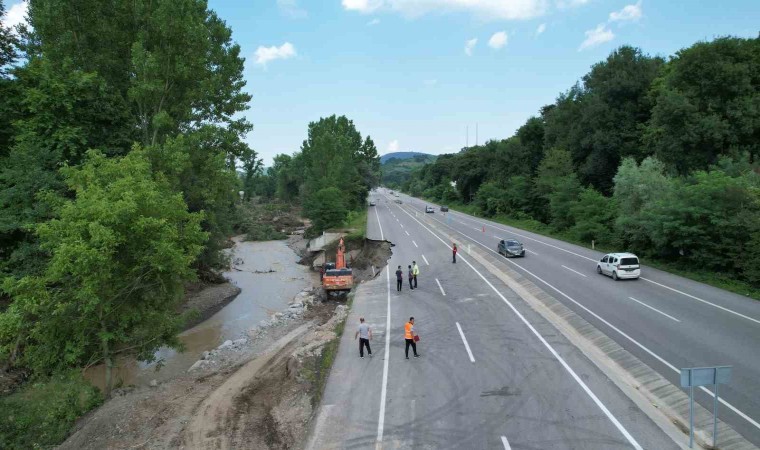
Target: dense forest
point(659, 157)
point(397, 170)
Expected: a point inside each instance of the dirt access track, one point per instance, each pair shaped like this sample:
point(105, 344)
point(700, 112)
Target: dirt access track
point(261, 403)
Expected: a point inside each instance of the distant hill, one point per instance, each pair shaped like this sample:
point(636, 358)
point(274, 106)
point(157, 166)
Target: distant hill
point(402, 155)
point(397, 167)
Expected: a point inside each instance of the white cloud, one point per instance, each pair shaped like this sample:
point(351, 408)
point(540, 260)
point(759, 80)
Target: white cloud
point(363, 6)
point(373, 22)
point(393, 146)
point(598, 35)
point(266, 54)
point(628, 13)
point(541, 28)
point(16, 14)
point(469, 45)
point(291, 9)
point(485, 9)
point(498, 40)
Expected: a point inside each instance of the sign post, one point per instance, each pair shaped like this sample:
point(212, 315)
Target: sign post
point(704, 376)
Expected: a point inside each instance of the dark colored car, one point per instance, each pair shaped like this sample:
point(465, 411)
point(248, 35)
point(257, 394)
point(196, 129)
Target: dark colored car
point(510, 247)
point(444, 209)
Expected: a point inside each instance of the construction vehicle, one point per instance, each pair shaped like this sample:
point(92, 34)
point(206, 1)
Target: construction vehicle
point(338, 277)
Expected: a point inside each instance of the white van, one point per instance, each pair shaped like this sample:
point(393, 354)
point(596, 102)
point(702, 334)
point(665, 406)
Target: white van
point(619, 266)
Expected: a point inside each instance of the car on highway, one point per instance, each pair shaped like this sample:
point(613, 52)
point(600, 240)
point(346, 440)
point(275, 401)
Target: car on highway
point(619, 266)
point(444, 209)
point(510, 247)
point(429, 209)
point(372, 203)
point(398, 200)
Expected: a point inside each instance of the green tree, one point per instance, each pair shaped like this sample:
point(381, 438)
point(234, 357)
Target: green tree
point(173, 60)
point(334, 155)
point(490, 199)
point(594, 217)
point(120, 252)
point(707, 105)
point(326, 208)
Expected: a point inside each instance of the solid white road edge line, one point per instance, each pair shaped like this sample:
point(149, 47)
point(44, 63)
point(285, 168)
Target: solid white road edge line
point(466, 345)
point(382, 238)
point(571, 270)
point(622, 333)
point(556, 355)
point(386, 358)
point(654, 309)
point(440, 287)
point(425, 259)
point(643, 278)
point(506, 443)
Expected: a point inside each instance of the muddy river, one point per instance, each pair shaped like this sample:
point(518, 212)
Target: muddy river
point(268, 275)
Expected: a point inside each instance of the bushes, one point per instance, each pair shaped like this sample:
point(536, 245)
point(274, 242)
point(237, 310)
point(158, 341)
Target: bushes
point(41, 414)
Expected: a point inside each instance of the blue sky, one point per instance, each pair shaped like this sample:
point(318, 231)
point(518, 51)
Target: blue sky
point(401, 71)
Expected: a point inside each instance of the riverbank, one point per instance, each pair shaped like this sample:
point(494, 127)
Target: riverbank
point(263, 375)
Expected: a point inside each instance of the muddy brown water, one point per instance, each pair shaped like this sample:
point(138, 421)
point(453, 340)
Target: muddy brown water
point(262, 293)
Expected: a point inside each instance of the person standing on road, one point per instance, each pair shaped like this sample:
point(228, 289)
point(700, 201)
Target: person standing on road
point(415, 272)
point(409, 336)
point(454, 254)
point(364, 333)
point(399, 278)
point(410, 275)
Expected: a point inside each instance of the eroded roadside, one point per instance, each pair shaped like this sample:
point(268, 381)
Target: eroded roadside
point(258, 392)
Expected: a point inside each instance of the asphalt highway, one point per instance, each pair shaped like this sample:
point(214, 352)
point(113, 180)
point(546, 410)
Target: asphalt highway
point(667, 321)
point(492, 374)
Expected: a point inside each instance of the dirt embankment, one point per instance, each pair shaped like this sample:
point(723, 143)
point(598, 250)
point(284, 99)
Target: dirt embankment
point(207, 300)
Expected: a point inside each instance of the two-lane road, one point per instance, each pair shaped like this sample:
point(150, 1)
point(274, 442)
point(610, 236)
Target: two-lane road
point(492, 373)
point(667, 321)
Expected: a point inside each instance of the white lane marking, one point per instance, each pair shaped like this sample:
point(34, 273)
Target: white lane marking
point(415, 244)
point(556, 355)
point(701, 300)
point(634, 341)
point(531, 251)
point(466, 345)
point(407, 233)
point(382, 238)
point(425, 259)
point(506, 443)
point(386, 358)
point(654, 309)
point(643, 278)
point(571, 270)
point(440, 287)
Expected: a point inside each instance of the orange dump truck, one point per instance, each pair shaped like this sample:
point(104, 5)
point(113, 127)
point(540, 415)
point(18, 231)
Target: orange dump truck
point(340, 278)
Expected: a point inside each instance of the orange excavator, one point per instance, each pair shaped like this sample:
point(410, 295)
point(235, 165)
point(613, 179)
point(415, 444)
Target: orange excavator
point(337, 276)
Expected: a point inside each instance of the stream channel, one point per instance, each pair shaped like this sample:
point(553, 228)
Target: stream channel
point(262, 294)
